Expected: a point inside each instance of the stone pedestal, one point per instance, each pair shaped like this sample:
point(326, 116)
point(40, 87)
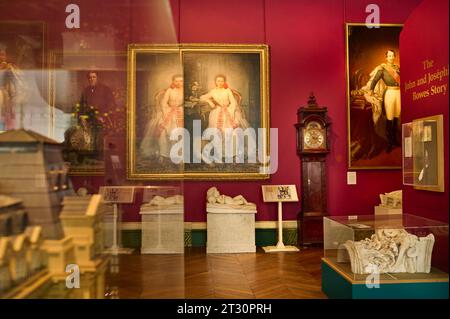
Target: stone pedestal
point(162, 229)
point(380, 210)
point(230, 230)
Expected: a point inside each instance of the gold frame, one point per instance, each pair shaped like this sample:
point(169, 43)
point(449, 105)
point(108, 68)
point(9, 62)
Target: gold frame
point(440, 187)
point(52, 63)
point(347, 78)
point(261, 49)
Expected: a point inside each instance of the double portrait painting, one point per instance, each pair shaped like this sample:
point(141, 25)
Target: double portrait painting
point(195, 91)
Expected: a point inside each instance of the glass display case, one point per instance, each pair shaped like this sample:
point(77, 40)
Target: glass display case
point(64, 135)
point(423, 157)
point(397, 248)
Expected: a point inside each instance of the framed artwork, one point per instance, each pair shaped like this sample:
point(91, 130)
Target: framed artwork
point(198, 111)
point(88, 97)
point(373, 96)
point(428, 153)
point(23, 50)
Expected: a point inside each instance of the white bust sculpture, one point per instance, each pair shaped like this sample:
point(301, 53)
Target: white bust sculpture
point(389, 250)
point(215, 199)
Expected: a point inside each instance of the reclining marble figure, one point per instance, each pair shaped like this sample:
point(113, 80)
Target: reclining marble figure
point(214, 198)
point(168, 201)
point(389, 251)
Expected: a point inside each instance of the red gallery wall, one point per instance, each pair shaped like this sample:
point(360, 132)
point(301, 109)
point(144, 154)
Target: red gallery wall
point(307, 53)
point(425, 36)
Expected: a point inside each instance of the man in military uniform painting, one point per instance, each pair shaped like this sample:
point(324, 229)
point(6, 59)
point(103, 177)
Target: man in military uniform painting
point(389, 73)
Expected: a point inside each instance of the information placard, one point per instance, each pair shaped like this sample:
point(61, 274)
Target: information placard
point(117, 194)
point(279, 193)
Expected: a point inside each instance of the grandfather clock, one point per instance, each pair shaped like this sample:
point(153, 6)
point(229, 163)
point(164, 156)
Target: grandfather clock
point(312, 148)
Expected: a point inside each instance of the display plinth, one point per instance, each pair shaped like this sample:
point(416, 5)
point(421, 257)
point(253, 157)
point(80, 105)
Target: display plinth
point(230, 230)
point(162, 229)
point(380, 210)
point(338, 282)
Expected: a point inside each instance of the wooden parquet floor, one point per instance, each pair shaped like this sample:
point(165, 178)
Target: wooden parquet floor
point(197, 275)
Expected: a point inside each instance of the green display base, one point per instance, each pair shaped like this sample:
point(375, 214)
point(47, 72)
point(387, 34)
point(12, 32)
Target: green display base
point(337, 285)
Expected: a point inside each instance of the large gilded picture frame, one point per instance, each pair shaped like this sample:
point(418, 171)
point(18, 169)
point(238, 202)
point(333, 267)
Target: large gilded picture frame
point(373, 96)
point(87, 94)
point(195, 88)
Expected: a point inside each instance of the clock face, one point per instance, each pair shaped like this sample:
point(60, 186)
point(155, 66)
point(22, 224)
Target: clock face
point(314, 136)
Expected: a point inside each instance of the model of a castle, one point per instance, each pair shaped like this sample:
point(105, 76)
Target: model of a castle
point(82, 217)
point(44, 226)
point(21, 253)
point(33, 170)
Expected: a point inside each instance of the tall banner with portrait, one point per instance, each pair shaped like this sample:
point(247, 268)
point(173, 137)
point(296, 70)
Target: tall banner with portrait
point(373, 96)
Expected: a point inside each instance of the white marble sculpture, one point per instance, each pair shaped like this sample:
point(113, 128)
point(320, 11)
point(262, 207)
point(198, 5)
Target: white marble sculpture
point(215, 199)
point(390, 251)
point(391, 200)
point(168, 201)
point(230, 223)
point(163, 225)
